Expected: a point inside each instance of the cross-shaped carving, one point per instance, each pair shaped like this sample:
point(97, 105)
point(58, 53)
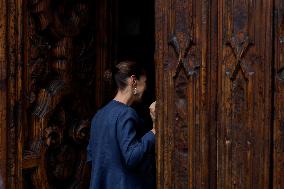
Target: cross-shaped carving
point(239, 47)
point(183, 55)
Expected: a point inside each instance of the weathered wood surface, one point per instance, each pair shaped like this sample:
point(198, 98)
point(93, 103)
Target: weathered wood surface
point(220, 90)
point(278, 70)
point(3, 91)
point(183, 73)
point(220, 94)
point(244, 94)
point(48, 81)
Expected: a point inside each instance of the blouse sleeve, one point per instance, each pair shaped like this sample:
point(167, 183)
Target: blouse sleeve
point(133, 149)
point(89, 152)
point(90, 145)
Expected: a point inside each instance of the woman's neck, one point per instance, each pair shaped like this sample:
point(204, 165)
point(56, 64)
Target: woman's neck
point(124, 97)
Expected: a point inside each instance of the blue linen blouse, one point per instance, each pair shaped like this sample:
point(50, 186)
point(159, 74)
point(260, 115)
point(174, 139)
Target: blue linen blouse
point(121, 157)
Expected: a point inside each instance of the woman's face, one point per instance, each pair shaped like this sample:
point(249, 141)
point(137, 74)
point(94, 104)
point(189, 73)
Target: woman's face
point(141, 87)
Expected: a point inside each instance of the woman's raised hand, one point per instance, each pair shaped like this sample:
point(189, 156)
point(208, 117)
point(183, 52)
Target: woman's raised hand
point(152, 108)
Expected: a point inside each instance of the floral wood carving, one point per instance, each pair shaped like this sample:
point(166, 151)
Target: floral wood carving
point(56, 40)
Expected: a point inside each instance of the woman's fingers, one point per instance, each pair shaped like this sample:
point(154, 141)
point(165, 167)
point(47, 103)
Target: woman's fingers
point(153, 110)
point(153, 106)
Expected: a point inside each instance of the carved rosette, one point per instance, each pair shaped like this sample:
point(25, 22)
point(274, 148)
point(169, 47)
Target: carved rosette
point(80, 131)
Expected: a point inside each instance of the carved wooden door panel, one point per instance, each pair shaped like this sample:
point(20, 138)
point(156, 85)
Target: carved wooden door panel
point(220, 98)
point(244, 123)
point(65, 58)
point(55, 125)
point(184, 104)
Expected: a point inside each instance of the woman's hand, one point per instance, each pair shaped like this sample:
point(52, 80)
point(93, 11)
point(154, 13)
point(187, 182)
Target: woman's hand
point(152, 108)
point(153, 115)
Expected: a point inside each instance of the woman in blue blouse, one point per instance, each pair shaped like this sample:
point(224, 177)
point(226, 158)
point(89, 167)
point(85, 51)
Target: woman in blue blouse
point(121, 156)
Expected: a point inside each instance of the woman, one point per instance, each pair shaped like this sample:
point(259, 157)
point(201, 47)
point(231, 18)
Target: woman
point(120, 155)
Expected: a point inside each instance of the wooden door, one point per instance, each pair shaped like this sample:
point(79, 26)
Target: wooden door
point(55, 119)
point(186, 93)
point(220, 95)
point(220, 90)
point(53, 55)
point(244, 121)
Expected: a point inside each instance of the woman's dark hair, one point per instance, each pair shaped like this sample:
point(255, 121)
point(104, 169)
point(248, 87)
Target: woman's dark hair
point(125, 69)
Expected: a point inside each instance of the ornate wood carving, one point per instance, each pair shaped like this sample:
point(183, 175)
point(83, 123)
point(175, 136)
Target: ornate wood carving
point(59, 59)
point(244, 109)
point(48, 86)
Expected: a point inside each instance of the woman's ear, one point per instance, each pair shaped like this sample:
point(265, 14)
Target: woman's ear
point(133, 81)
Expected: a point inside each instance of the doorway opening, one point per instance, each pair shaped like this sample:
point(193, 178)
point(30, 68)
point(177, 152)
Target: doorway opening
point(134, 40)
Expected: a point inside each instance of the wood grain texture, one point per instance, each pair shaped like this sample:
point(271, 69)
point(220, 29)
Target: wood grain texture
point(278, 134)
point(56, 75)
point(3, 90)
point(215, 126)
point(219, 86)
point(244, 94)
point(182, 65)
point(48, 65)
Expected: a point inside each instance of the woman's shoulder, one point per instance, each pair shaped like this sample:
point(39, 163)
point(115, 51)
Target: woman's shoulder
point(123, 110)
point(128, 112)
point(116, 109)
